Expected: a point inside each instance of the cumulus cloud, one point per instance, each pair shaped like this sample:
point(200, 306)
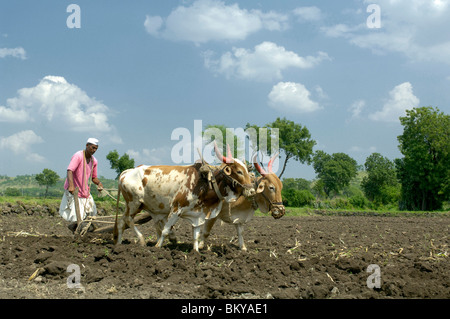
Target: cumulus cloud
point(21, 144)
point(265, 63)
point(415, 28)
point(308, 14)
point(59, 103)
point(18, 53)
point(401, 98)
point(154, 156)
point(153, 24)
point(290, 97)
point(213, 20)
point(356, 108)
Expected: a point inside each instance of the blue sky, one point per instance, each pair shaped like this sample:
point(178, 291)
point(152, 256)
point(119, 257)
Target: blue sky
point(136, 71)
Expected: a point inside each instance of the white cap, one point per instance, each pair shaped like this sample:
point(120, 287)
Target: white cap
point(92, 141)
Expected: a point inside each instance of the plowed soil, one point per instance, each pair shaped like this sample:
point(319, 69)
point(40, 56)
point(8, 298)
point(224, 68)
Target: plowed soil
point(293, 257)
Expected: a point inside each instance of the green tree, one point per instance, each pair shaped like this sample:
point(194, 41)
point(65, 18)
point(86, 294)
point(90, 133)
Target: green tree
point(12, 191)
point(119, 164)
point(297, 198)
point(295, 141)
point(47, 178)
point(424, 171)
point(381, 183)
point(296, 183)
point(335, 171)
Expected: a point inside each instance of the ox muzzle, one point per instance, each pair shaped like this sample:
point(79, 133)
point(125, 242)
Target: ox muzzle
point(248, 190)
point(277, 210)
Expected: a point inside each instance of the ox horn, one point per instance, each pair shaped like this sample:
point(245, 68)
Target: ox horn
point(269, 165)
point(224, 159)
point(229, 154)
point(258, 167)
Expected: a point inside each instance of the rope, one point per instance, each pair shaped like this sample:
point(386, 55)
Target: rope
point(108, 194)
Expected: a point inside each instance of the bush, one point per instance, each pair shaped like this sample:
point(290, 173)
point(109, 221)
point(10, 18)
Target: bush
point(359, 201)
point(12, 191)
point(297, 198)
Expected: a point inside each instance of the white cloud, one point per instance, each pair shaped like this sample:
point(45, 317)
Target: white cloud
point(306, 14)
point(401, 98)
point(356, 108)
point(289, 97)
point(59, 103)
point(341, 30)
point(213, 20)
point(18, 53)
point(20, 144)
point(415, 28)
point(154, 156)
point(153, 24)
point(265, 63)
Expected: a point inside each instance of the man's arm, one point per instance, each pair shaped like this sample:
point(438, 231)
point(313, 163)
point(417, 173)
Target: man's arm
point(99, 184)
point(70, 179)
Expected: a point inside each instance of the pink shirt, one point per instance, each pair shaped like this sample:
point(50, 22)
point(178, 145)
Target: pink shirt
point(76, 166)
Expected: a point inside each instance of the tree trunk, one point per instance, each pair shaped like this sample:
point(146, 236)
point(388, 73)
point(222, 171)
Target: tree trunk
point(424, 200)
point(284, 165)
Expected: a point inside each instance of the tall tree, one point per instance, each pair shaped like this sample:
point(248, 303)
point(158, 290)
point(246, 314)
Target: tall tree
point(381, 177)
point(295, 141)
point(47, 178)
point(119, 163)
point(335, 171)
point(424, 170)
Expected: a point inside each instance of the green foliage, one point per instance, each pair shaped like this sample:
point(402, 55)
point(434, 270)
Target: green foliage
point(335, 171)
point(424, 171)
point(119, 164)
point(297, 198)
point(359, 201)
point(295, 141)
point(12, 191)
point(380, 185)
point(296, 183)
point(47, 178)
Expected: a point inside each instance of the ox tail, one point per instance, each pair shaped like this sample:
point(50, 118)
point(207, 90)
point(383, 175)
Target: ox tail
point(116, 230)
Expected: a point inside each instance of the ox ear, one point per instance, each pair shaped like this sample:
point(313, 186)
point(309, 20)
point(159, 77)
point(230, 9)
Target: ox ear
point(260, 188)
point(227, 170)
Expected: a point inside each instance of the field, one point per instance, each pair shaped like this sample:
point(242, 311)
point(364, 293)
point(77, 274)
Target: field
point(315, 256)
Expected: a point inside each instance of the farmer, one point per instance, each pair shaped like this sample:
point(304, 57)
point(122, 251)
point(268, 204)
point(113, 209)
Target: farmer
point(82, 167)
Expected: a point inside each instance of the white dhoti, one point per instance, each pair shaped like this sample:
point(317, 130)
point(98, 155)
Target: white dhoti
point(67, 207)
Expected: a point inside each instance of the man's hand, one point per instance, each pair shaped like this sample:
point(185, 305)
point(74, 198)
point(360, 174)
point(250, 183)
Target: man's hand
point(100, 187)
point(71, 189)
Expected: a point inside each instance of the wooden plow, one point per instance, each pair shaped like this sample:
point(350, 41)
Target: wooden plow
point(103, 224)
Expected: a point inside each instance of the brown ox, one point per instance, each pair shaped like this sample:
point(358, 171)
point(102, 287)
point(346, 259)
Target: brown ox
point(268, 198)
point(170, 192)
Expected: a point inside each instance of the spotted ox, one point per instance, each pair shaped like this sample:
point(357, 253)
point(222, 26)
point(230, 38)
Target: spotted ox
point(268, 198)
point(170, 192)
